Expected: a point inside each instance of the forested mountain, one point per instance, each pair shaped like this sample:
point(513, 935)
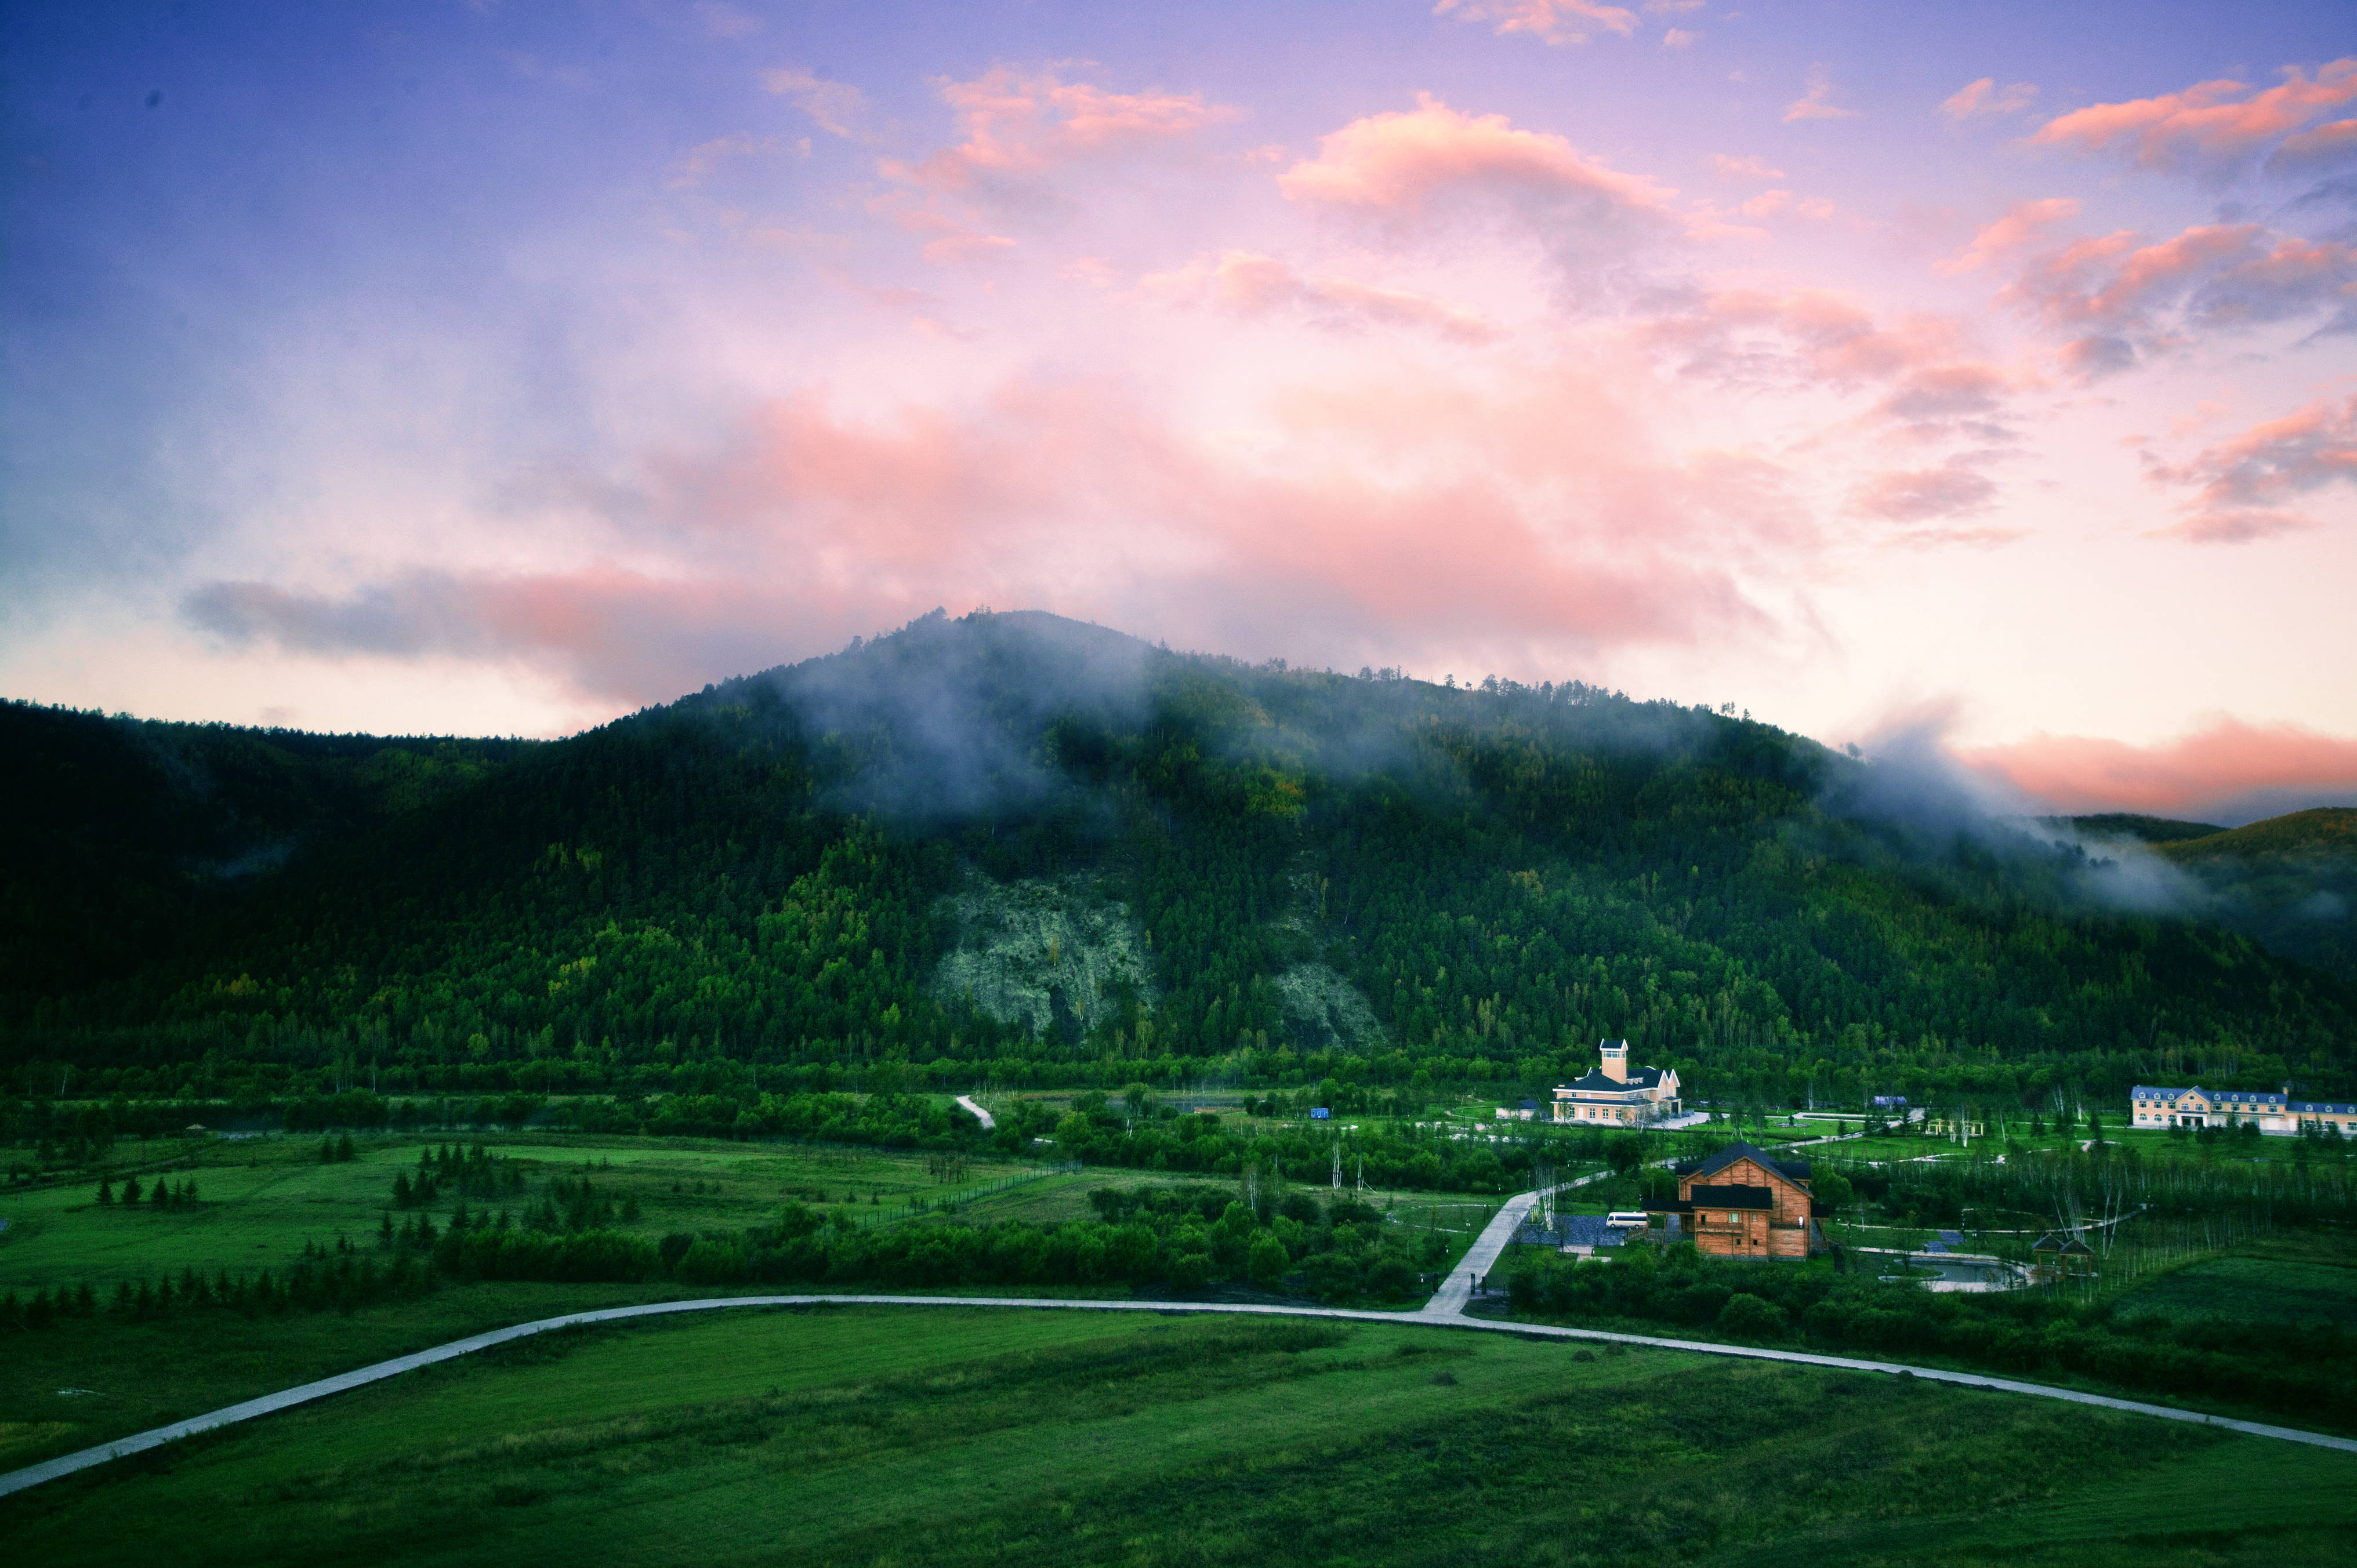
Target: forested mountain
point(1285, 875)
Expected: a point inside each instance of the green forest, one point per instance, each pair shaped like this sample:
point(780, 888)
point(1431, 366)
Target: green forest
point(744, 894)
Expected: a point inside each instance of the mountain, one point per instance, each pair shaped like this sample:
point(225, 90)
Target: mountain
point(1021, 848)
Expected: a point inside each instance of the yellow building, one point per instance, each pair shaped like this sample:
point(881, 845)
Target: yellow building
point(2199, 1107)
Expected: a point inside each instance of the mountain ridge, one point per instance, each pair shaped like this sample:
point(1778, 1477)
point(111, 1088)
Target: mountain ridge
point(755, 880)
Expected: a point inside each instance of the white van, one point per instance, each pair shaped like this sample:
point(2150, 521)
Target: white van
point(1625, 1219)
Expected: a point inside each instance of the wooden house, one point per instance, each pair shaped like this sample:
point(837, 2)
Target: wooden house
point(1743, 1202)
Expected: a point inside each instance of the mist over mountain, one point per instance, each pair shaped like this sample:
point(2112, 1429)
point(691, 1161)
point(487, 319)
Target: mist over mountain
point(1018, 848)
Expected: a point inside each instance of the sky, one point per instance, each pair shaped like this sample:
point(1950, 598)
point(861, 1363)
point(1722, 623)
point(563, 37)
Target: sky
point(1985, 372)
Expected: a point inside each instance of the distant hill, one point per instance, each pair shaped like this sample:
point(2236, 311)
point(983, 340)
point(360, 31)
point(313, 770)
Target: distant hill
point(2324, 831)
point(2127, 825)
point(2289, 882)
point(118, 835)
point(1019, 848)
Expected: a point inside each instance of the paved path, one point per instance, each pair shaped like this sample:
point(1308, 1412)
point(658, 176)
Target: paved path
point(980, 1114)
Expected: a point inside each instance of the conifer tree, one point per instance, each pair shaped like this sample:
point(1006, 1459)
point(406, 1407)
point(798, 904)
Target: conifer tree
point(344, 1148)
point(130, 1191)
point(105, 1191)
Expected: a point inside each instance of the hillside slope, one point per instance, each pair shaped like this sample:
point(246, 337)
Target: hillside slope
point(1361, 877)
point(2289, 883)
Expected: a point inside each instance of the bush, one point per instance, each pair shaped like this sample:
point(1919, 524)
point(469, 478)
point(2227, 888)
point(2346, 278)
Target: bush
point(1747, 1316)
point(712, 1264)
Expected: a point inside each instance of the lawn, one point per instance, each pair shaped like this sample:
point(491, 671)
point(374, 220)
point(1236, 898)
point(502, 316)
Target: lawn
point(949, 1437)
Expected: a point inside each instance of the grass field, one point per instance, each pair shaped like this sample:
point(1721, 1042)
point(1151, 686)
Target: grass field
point(2259, 1290)
point(879, 1436)
point(261, 1200)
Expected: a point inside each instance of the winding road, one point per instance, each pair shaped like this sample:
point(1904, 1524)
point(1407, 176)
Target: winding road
point(1445, 1310)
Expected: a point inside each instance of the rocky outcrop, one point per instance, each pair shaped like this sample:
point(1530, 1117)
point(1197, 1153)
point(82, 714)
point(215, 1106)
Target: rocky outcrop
point(1050, 953)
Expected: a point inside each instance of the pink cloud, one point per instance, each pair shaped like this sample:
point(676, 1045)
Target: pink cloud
point(612, 632)
point(2115, 293)
point(2207, 122)
point(2324, 144)
point(953, 242)
point(1534, 521)
point(2247, 481)
point(1824, 335)
point(1923, 495)
point(1017, 126)
point(1817, 102)
point(830, 103)
point(2022, 222)
point(1743, 169)
point(2113, 281)
point(1407, 162)
point(1679, 39)
point(1550, 21)
point(2228, 758)
point(1245, 284)
point(1984, 97)
point(2297, 277)
point(1949, 390)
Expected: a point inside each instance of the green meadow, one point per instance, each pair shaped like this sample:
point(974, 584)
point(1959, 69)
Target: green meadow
point(260, 1200)
point(923, 1435)
point(2263, 1289)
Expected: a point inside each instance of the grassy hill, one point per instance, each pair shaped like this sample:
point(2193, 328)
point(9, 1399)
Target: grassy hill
point(823, 873)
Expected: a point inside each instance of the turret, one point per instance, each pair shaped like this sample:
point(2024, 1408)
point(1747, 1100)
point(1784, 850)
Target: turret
point(1616, 1059)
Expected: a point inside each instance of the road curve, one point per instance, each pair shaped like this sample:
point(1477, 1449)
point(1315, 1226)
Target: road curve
point(66, 1465)
point(979, 1113)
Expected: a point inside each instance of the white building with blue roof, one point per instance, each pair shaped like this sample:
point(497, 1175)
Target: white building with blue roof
point(2196, 1107)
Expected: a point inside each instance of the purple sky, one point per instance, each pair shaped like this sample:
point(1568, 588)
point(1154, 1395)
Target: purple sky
point(502, 367)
